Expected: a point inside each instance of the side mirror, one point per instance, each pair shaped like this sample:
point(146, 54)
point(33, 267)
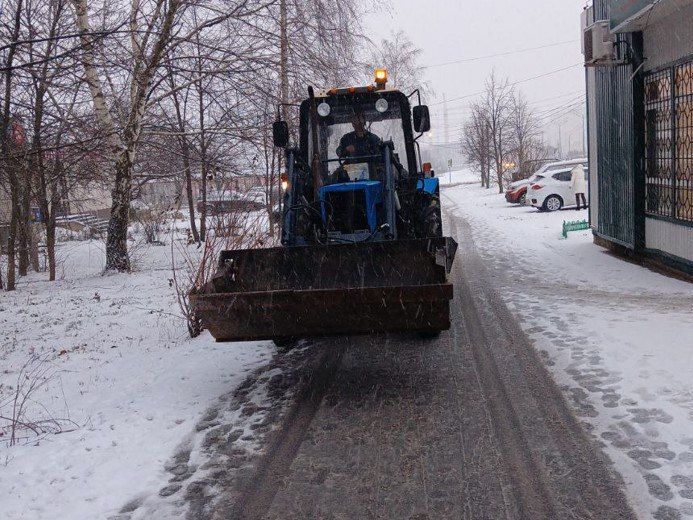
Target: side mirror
point(280, 134)
point(422, 119)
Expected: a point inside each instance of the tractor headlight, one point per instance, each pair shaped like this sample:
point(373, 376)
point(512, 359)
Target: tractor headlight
point(324, 109)
point(382, 105)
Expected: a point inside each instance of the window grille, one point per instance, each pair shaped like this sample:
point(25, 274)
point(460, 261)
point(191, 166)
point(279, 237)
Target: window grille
point(669, 142)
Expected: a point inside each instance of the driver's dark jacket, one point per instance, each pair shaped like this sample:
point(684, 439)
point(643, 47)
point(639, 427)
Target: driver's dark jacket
point(368, 144)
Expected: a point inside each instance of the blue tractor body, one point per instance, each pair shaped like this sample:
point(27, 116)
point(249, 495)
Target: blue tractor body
point(352, 207)
point(430, 185)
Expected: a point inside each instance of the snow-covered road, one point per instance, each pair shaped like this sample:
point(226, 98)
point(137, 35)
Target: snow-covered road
point(616, 336)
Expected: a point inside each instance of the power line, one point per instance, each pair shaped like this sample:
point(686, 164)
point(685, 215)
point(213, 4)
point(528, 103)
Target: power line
point(461, 110)
point(571, 94)
point(579, 98)
point(500, 54)
point(551, 114)
point(466, 96)
point(562, 110)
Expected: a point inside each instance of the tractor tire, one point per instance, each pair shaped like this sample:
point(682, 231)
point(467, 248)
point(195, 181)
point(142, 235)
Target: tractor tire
point(285, 343)
point(429, 335)
point(432, 222)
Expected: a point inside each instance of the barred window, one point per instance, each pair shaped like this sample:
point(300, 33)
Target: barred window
point(669, 142)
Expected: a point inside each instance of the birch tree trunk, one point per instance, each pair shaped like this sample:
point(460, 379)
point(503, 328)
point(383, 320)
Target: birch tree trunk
point(123, 149)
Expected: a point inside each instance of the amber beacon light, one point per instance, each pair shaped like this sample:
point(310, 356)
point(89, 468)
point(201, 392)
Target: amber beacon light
point(381, 78)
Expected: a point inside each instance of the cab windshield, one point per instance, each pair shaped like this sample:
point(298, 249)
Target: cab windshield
point(338, 130)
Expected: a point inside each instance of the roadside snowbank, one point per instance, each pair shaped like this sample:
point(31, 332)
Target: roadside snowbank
point(124, 379)
point(617, 337)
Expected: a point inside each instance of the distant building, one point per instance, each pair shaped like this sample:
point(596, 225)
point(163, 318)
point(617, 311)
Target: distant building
point(167, 192)
point(93, 198)
point(640, 127)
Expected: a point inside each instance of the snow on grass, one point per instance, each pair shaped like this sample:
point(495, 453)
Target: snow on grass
point(457, 177)
point(128, 383)
point(617, 337)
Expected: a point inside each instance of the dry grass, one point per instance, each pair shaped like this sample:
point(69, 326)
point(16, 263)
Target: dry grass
point(197, 263)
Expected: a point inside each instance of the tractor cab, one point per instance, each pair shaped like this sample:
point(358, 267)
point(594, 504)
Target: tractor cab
point(355, 162)
point(364, 147)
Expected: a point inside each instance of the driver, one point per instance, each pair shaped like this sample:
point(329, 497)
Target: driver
point(360, 142)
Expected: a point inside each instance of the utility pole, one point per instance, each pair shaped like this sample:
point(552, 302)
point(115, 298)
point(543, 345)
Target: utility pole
point(570, 144)
point(446, 130)
point(283, 59)
point(560, 142)
point(284, 99)
point(584, 136)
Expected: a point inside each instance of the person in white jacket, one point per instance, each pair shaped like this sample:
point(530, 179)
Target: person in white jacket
point(579, 185)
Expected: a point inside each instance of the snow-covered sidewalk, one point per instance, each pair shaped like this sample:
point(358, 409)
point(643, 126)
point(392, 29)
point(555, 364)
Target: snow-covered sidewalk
point(123, 379)
point(617, 337)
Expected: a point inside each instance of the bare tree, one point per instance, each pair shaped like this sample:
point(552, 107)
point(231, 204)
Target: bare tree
point(497, 106)
point(477, 143)
point(400, 57)
point(51, 84)
point(8, 164)
point(44, 95)
point(527, 149)
point(156, 89)
point(150, 34)
point(185, 148)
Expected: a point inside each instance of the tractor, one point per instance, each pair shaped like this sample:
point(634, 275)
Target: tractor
point(362, 246)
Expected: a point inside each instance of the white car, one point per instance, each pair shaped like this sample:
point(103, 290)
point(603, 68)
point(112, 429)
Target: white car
point(561, 165)
point(552, 190)
point(257, 194)
point(517, 191)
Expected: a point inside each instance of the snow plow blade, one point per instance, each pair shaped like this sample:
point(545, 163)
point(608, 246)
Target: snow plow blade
point(312, 291)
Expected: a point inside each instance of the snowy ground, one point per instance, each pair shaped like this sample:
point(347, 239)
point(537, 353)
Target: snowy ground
point(130, 391)
point(123, 381)
point(617, 337)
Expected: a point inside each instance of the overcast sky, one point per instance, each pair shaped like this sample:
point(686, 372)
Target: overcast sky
point(450, 30)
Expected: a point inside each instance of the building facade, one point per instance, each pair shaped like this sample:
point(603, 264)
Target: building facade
point(640, 130)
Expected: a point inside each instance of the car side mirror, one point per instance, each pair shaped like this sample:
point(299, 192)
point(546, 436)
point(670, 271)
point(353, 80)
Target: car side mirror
point(422, 119)
point(280, 134)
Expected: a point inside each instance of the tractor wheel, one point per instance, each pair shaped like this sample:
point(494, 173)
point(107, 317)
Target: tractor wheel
point(285, 343)
point(432, 223)
point(429, 335)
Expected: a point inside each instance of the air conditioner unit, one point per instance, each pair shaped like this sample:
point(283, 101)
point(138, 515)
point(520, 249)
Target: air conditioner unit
point(599, 45)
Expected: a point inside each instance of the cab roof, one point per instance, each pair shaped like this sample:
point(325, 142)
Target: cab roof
point(326, 93)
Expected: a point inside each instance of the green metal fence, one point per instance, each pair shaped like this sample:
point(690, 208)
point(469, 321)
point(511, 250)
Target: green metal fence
point(577, 225)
